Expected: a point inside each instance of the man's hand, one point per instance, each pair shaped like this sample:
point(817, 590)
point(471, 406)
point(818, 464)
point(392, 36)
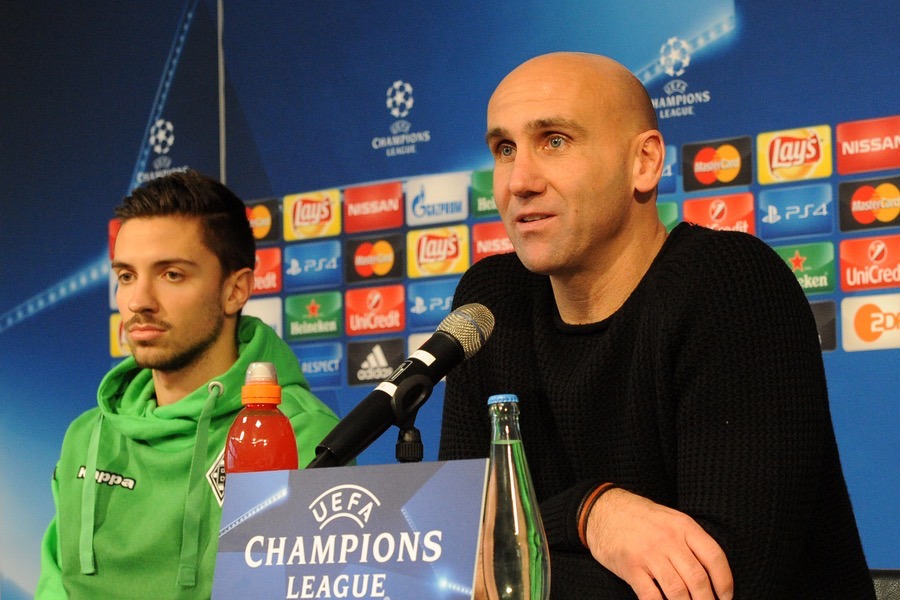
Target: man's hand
point(658, 551)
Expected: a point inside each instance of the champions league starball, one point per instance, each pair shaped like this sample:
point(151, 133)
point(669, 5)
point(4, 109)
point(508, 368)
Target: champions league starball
point(399, 99)
point(162, 136)
point(675, 56)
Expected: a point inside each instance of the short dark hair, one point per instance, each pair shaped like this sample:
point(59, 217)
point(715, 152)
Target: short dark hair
point(223, 216)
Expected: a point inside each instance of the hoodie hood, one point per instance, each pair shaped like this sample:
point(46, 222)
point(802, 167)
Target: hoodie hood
point(128, 404)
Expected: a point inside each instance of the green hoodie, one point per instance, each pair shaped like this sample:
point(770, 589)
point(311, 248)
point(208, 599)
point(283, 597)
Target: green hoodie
point(147, 526)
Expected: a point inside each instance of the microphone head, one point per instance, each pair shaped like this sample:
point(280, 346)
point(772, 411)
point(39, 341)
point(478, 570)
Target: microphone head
point(471, 325)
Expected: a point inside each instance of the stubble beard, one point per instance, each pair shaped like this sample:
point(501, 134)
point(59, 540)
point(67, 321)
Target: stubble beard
point(180, 358)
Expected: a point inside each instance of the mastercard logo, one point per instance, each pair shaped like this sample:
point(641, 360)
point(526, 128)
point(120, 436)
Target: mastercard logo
point(260, 218)
point(721, 164)
point(875, 203)
point(374, 259)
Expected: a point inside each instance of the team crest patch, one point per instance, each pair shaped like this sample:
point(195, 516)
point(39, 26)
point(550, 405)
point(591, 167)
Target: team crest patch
point(216, 477)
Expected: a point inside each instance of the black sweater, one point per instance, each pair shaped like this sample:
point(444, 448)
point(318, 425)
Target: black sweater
point(704, 392)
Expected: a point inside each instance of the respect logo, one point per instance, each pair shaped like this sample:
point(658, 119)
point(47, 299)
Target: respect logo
point(718, 163)
point(871, 322)
point(794, 154)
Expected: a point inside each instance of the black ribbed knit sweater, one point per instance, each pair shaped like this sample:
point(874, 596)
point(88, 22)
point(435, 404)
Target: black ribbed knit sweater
point(704, 392)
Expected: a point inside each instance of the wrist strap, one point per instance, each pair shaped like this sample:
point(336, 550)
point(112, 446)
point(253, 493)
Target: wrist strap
point(585, 510)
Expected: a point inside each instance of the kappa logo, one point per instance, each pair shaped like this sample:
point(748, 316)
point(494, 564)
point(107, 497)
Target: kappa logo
point(347, 501)
point(109, 478)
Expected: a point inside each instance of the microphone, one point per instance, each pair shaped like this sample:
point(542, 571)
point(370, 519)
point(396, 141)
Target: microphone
point(460, 335)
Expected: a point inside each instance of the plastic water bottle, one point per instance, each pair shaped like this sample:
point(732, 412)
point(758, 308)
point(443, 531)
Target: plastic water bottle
point(515, 555)
point(261, 437)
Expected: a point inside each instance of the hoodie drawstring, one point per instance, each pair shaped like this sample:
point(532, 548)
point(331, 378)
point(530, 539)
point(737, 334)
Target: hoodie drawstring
point(89, 501)
point(194, 504)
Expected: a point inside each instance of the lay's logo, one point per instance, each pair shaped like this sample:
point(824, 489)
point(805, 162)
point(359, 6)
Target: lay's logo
point(795, 154)
point(442, 251)
point(309, 212)
point(312, 215)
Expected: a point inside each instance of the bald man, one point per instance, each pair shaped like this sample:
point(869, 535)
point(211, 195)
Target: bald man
point(673, 398)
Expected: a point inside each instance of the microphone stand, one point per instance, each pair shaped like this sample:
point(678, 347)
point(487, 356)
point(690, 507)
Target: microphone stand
point(405, 403)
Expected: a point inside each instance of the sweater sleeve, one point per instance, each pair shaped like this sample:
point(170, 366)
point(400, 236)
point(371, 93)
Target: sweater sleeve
point(756, 459)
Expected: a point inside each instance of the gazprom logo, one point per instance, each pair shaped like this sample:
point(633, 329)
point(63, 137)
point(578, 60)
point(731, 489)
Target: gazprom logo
point(436, 199)
point(347, 501)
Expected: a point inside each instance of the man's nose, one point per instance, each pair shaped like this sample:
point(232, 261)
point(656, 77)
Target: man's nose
point(141, 296)
point(525, 177)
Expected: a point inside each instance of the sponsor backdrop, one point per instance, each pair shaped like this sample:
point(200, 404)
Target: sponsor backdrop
point(354, 134)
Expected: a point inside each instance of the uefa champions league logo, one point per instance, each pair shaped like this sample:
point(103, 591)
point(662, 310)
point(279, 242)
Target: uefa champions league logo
point(675, 56)
point(402, 140)
point(161, 140)
point(399, 99)
point(162, 136)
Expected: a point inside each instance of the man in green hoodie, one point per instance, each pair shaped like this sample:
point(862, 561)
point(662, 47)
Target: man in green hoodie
point(140, 479)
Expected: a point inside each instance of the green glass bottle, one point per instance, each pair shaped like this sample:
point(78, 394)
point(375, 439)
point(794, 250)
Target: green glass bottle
point(515, 555)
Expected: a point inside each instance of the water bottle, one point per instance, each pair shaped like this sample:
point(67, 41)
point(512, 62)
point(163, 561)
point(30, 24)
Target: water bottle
point(261, 437)
point(515, 555)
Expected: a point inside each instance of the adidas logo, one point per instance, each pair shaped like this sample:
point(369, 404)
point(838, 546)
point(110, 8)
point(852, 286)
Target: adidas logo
point(375, 367)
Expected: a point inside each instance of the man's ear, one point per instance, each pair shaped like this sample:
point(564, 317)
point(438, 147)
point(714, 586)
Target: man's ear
point(650, 154)
point(237, 290)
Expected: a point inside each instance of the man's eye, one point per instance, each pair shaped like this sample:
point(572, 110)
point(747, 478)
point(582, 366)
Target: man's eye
point(124, 277)
point(505, 150)
point(556, 141)
point(174, 276)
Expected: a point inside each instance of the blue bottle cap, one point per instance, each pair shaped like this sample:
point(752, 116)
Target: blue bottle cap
point(502, 398)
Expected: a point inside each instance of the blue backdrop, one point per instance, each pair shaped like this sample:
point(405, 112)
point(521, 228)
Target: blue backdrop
point(85, 84)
